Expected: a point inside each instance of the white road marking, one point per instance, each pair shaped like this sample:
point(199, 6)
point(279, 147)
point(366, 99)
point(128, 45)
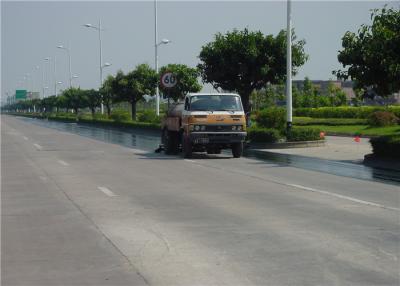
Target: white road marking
point(187, 160)
point(38, 146)
point(63, 163)
point(106, 191)
point(43, 178)
point(25, 138)
point(342, 197)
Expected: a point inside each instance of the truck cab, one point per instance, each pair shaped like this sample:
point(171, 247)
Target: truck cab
point(205, 122)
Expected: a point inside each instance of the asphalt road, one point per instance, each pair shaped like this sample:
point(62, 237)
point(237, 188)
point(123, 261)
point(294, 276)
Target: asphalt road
point(77, 211)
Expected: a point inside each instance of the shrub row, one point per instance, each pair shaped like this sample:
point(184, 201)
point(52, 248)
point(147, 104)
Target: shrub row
point(304, 121)
point(386, 146)
point(344, 111)
point(303, 134)
point(85, 119)
point(382, 118)
point(265, 135)
point(270, 135)
point(125, 124)
point(271, 118)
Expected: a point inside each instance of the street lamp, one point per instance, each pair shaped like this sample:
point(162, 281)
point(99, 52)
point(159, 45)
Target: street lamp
point(58, 83)
point(289, 67)
point(99, 29)
point(156, 44)
point(68, 50)
point(102, 67)
point(43, 78)
point(163, 42)
point(37, 85)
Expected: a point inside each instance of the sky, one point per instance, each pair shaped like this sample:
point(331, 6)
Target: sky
point(31, 31)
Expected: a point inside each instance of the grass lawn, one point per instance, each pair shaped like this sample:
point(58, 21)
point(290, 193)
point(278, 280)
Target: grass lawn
point(359, 130)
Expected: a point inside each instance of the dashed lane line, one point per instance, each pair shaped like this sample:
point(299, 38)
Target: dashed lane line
point(37, 146)
point(63, 163)
point(106, 191)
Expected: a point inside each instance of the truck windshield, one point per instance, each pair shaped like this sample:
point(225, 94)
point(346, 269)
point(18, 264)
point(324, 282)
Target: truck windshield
point(215, 103)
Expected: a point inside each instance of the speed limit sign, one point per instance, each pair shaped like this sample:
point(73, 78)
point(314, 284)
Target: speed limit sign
point(168, 80)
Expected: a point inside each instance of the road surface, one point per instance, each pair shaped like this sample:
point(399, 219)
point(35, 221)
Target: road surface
point(79, 211)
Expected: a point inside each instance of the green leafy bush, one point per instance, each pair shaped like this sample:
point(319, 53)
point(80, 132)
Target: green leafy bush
point(100, 116)
point(382, 118)
point(148, 116)
point(304, 121)
point(124, 124)
point(120, 115)
point(272, 118)
point(344, 111)
point(386, 146)
point(259, 134)
point(303, 134)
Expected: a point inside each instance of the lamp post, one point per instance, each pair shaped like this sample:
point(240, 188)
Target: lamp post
point(43, 77)
point(99, 29)
point(57, 83)
point(37, 83)
point(163, 42)
point(156, 44)
point(289, 67)
point(68, 50)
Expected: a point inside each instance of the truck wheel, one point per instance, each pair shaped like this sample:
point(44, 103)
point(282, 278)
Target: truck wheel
point(171, 141)
point(186, 147)
point(237, 150)
point(164, 137)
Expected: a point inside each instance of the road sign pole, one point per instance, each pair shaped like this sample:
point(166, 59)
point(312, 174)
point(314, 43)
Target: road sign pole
point(289, 67)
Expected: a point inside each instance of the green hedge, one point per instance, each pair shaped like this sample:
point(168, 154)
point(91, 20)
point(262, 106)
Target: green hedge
point(382, 118)
point(125, 124)
point(386, 146)
point(303, 134)
point(271, 118)
point(304, 121)
point(344, 111)
point(103, 122)
point(266, 135)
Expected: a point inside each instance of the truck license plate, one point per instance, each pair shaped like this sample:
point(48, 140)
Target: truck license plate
point(202, 140)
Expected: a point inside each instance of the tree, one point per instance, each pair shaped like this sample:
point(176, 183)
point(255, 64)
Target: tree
point(106, 92)
point(93, 99)
point(336, 95)
point(309, 93)
point(134, 85)
point(75, 98)
point(186, 81)
point(49, 103)
point(372, 56)
point(244, 61)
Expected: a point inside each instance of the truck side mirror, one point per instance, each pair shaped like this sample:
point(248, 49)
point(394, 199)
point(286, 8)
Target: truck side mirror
point(187, 104)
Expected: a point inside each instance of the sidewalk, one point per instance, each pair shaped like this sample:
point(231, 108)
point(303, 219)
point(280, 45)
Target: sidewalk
point(336, 148)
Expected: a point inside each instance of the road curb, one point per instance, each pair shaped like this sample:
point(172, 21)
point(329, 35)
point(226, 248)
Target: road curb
point(287, 145)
